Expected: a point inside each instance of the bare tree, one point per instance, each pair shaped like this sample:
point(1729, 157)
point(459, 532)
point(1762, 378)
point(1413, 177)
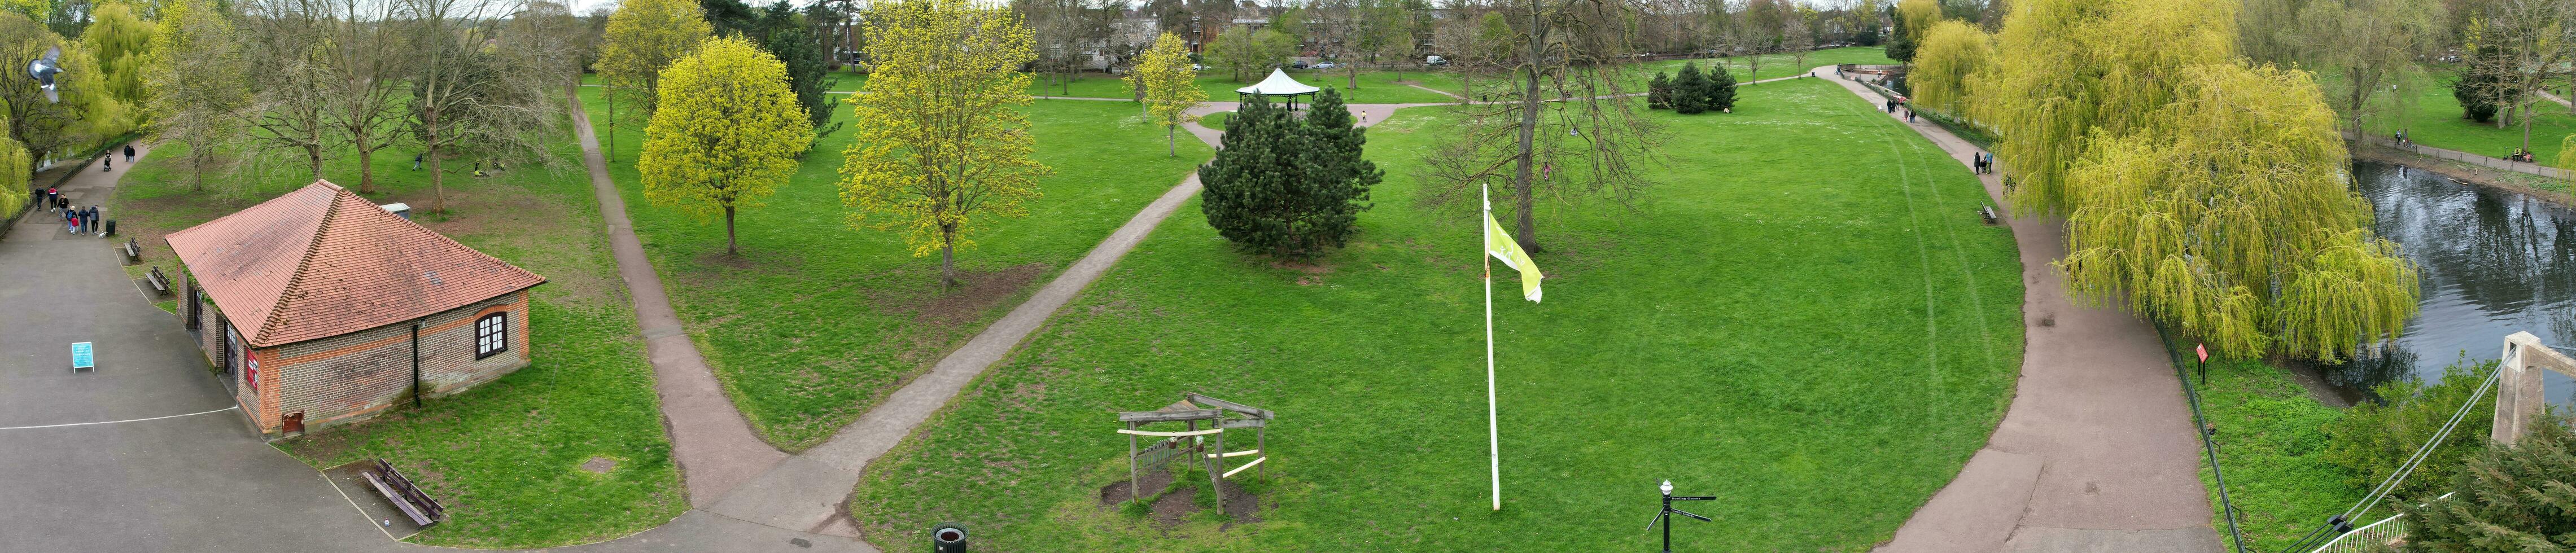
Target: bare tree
point(288, 114)
point(2533, 41)
point(472, 91)
point(1562, 123)
point(364, 52)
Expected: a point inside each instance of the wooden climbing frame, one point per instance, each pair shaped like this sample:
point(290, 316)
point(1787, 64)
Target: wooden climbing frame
point(1209, 443)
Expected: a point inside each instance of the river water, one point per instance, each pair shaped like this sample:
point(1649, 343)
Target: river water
point(2494, 263)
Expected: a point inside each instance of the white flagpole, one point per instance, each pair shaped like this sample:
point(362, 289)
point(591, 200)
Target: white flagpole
point(1493, 433)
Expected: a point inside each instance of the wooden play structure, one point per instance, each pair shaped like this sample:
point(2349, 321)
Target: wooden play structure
point(1219, 416)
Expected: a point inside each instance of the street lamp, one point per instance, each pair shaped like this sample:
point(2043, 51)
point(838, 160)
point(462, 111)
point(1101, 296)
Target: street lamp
point(1666, 516)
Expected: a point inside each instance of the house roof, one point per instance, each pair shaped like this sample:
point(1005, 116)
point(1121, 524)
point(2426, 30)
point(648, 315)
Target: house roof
point(1279, 84)
point(321, 262)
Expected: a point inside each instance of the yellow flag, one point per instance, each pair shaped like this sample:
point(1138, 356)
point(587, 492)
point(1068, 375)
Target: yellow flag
point(1502, 247)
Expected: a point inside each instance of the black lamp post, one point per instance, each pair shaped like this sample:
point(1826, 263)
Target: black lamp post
point(1666, 516)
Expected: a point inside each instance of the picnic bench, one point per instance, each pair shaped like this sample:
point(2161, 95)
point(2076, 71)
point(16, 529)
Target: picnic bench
point(159, 282)
point(133, 251)
point(405, 496)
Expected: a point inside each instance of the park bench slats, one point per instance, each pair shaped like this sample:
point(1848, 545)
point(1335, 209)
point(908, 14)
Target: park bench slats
point(159, 283)
point(418, 506)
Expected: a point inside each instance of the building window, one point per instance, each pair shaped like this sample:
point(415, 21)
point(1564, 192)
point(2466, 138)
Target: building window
point(492, 335)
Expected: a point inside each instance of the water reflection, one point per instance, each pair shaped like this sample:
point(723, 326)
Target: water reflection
point(2494, 263)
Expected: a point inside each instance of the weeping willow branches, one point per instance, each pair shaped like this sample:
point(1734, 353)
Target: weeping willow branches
point(2199, 191)
point(2227, 215)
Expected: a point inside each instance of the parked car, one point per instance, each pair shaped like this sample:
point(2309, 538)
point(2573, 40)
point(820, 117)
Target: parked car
point(1326, 65)
point(1435, 60)
point(1198, 67)
point(1298, 65)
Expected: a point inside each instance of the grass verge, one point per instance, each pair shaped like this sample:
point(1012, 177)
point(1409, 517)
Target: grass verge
point(1759, 332)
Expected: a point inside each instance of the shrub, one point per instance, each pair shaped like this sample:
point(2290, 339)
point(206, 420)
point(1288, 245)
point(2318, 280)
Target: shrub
point(2509, 498)
point(1659, 92)
point(1719, 94)
point(1288, 187)
point(2373, 439)
point(1690, 95)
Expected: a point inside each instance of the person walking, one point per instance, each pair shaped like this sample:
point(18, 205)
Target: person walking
point(129, 154)
point(71, 222)
point(415, 162)
point(106, 163)
point(49, 199)
point(93, 221)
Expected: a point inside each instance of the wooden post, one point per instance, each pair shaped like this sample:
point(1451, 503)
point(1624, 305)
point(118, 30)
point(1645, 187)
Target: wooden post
point(1131, 464)
point(1216, 476)
point(1261, 443)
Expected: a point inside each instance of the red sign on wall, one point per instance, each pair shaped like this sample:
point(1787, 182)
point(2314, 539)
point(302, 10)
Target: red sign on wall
point(250, 372)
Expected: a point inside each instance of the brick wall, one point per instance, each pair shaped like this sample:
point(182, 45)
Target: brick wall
point(348, 377)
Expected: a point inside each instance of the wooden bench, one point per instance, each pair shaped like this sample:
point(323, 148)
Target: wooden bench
point(159, 283)
point(133, 252)
point(391, 484)
point(1988, 212)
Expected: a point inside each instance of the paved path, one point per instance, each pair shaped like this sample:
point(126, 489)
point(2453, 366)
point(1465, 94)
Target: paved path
point(2097, 452)
point(715, 447)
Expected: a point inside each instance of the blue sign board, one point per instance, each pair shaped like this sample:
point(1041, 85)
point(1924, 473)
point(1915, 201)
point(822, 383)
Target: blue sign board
point(81, 356)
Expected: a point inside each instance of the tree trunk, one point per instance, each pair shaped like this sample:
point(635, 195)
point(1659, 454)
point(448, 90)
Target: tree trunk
point(366, 164)
point(730, 248)
point(1170, 143)
point(611, 154)
point(437, 180)
point(313, 158)
point(947, 257)
point(1354, 70)
point(1527, 229)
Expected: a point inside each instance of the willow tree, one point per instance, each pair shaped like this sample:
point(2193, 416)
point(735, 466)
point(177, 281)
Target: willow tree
point(2199, 192)
point(1951, 53)
point(942, 146)
point(2068, 72)
point(641, 38)
point(2365, 52)
point(120, 40)
point(2226, 215)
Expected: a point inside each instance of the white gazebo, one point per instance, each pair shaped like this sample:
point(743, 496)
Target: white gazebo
point(1278, 85)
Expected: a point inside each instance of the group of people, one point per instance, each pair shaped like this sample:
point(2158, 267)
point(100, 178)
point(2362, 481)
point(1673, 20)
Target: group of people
point(76, 219)
point(1894, 104)
point(1984, 163)
point(2522, 156)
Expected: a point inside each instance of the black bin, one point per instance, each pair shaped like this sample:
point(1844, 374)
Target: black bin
point(948, 537)
point(111, 227)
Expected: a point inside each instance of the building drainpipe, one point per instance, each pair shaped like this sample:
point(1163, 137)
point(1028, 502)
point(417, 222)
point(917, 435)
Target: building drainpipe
point(415, 364)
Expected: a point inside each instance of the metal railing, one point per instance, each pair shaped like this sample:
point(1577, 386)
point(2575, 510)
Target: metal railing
point(2464, 157)
point(2200, 426)
point(2384, 531)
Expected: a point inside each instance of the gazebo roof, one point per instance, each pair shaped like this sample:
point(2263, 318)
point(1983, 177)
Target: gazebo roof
point(1279, 84)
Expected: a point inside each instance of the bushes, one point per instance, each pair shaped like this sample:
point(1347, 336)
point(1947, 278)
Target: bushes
point(1693, 92)
point(2514, 498)
point(1288, 187)
point(2373, 439)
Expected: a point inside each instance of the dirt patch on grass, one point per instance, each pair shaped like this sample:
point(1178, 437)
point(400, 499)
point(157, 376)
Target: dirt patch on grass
point(1241, 506)
point(1150, 482)
point(599, 465)
point(966, 304)
point(1175, 507)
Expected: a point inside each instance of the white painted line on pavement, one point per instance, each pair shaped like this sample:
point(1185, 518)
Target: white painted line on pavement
point(114, 422)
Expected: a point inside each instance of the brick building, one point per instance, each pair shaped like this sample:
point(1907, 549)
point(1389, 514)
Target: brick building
point(320, 308)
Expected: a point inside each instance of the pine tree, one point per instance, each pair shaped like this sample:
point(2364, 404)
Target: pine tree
point(1246, 186)
point(1337, 180)
point(1659, 92)
point(1720, 94)
point(1286, 187)
point(2509, 498)
point(1690, 91)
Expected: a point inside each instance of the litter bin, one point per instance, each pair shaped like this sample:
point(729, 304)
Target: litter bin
point(111, 227)
point(948, 537)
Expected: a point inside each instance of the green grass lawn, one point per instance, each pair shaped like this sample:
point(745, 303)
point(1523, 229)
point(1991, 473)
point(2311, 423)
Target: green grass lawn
point(2434, 120)
point(2272, 443)
point(1821, 342)
point(1215, 120)
point(503, 457)
point(817, 320)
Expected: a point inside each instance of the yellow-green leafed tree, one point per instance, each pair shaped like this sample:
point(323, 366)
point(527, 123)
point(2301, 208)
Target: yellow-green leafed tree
point(727, 132)
point(197, 81)
point(1171, 87)
point(2226, 215)
point(120, 40)
point(2072, 72)
point(1919, 16)
point(14, 169)
point(1950, 53)
point(941, 146)
point(642, 37)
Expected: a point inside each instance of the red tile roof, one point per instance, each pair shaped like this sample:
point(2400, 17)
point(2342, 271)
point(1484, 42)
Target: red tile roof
point(321, 262)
